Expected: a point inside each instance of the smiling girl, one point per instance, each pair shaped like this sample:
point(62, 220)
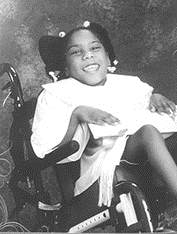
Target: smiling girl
point(87, 96)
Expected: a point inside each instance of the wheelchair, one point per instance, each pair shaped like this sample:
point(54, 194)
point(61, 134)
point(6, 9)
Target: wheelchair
point(129, 211)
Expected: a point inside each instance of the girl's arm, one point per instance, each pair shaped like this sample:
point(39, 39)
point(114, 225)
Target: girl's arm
point(86, 114)
point(73, 124)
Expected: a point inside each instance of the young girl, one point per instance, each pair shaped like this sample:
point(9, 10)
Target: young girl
point(108, 114)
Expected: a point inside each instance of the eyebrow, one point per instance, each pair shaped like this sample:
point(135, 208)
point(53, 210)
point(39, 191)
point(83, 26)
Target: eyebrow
point(77, 45)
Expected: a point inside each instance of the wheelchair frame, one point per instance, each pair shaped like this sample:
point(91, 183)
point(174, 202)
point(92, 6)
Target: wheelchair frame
point(129, 211)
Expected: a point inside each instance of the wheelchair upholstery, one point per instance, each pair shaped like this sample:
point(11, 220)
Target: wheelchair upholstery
point(28, 169)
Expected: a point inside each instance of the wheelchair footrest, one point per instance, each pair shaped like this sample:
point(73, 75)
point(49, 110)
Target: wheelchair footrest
point(91, 222)
point(128, 211)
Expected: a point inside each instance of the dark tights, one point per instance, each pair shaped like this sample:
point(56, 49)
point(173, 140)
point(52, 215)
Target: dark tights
point(67, 174)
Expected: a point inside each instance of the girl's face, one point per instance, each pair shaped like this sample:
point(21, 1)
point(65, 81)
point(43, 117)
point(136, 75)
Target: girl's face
point(86, 58)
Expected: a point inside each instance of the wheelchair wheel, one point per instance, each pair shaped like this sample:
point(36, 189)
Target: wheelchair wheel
point(134, 214)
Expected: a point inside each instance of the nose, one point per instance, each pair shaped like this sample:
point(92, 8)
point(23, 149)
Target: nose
point(87, 55)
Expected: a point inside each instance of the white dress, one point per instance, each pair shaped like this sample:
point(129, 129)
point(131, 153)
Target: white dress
point(126, 97)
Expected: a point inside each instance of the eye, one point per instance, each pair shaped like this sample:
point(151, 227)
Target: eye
point(96, 47)
point(74, 52)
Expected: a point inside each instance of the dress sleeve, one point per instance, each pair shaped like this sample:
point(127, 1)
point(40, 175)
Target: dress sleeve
point(143, 93)
point(50, 124)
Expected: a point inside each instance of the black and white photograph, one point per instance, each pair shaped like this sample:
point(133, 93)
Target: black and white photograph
point(88, 116)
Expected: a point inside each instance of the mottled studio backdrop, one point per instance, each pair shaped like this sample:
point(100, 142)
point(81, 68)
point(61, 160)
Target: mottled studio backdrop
point(144, 33)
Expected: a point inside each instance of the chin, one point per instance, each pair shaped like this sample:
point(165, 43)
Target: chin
point(97, 82)
point(91, 80)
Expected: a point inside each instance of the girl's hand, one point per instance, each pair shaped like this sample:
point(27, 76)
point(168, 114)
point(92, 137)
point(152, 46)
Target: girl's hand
point(92, 115)
point(161, 104)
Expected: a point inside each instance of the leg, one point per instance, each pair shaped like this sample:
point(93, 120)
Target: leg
point(67, 174)
point(147, 143)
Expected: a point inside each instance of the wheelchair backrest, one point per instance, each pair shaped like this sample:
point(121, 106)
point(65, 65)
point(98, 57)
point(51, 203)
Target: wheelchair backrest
point(20, 130)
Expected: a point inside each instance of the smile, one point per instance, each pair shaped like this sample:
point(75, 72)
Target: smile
point(91, 68)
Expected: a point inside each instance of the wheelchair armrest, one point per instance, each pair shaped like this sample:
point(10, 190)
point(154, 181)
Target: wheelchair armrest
point(60, 153)
point(33, 166)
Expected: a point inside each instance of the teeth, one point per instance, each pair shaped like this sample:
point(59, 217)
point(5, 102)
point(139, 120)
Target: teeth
point(90, 68)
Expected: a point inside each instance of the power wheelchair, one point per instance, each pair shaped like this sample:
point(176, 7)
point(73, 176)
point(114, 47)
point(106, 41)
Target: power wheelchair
point(129, 210)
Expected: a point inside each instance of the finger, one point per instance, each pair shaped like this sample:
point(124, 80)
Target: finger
point(169, 111)
point(165, 110)
point(172, 106)
point(161, 109)
point(108, 119)
point(98, 122)
point(163, 106)
point(114, 119)
point(169, 108)
point(111, 121)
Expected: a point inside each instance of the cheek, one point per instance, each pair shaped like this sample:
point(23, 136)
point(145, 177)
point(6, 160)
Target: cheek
point(104, 58)
point(108, 62)
point(72, 66)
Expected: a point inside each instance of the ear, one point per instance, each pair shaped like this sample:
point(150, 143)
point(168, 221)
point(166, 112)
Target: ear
point(66, 72)
point(108, 61)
